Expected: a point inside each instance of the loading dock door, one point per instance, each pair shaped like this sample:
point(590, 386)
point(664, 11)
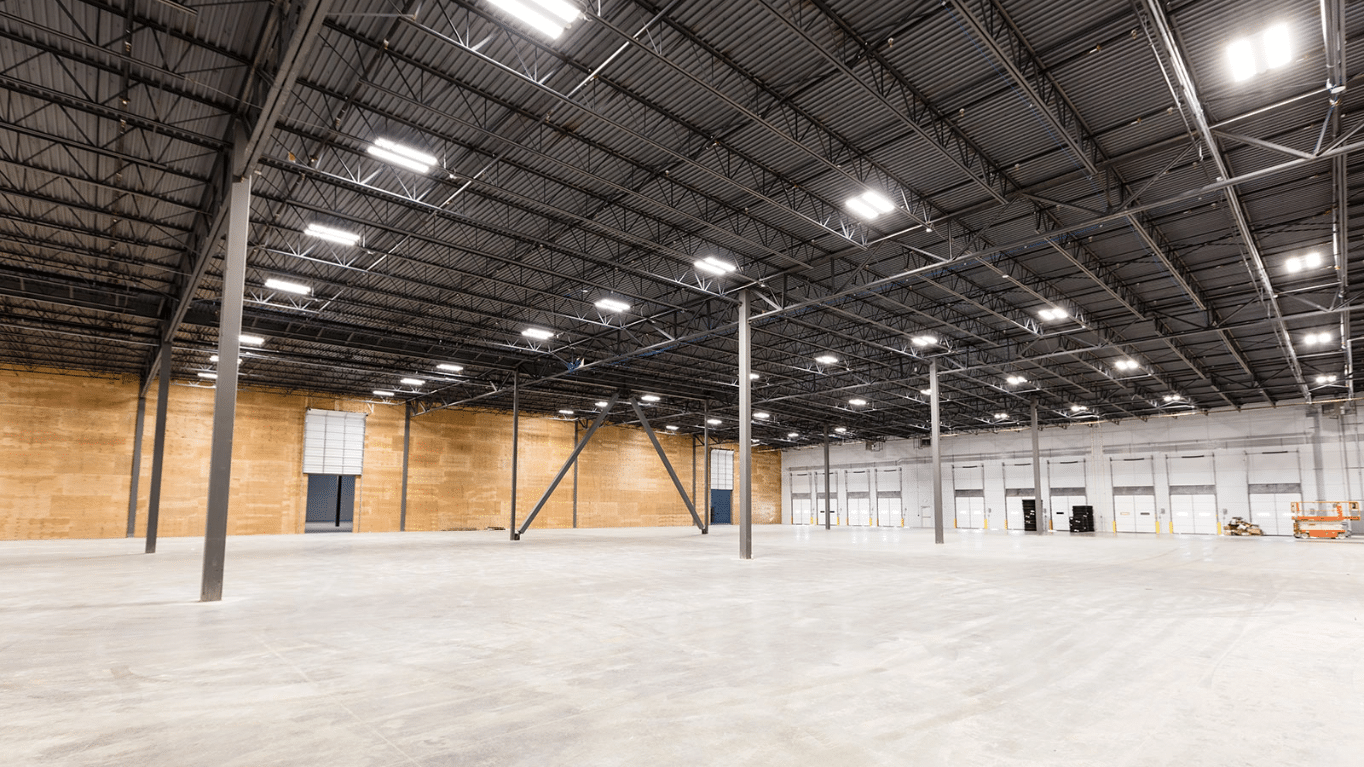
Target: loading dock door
point(802, 504)
point(889, 506)
point(859, 498)
point(1193, 494)
point(1194, 513)
point(1067, 484)
point(970, 509)
point(822, 504)
point(1135, 513)
point(1017, 489)
point(1275, 484)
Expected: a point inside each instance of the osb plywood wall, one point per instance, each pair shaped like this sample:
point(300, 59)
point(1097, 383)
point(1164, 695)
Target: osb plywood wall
point(66, 445)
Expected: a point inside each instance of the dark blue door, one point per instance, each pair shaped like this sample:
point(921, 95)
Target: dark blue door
point(719, 507)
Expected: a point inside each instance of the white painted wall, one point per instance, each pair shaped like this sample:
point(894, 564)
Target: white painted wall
point(1331, 463)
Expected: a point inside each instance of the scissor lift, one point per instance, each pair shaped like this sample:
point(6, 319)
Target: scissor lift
point(1324, 519)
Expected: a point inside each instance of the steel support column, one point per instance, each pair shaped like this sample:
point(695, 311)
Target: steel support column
point(745, 430)
point(937, 450)
point(705, 459)
point(158, 445)
point(225, 394)
point(575, 476)
point(1040, 518)
point(137, 465)
point(407, 443)
point(516, 434)
point(577, 449)
point(658, 447)
point(828, 501)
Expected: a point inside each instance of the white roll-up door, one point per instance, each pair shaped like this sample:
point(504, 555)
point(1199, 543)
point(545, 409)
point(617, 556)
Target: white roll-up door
point(1193, 494)
point(1275, 484)
point(889, 498)
point(1018, 488)
point(1066, 482)
point(859, 497)
point(802, 504)
point(1134, 495)
point(333, 442)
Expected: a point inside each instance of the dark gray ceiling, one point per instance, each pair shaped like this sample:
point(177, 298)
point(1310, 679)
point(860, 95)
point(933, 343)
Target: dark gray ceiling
point(1095, 156)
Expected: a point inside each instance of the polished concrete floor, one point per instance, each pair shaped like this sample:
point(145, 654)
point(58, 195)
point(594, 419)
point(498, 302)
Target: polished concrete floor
point(659, 647)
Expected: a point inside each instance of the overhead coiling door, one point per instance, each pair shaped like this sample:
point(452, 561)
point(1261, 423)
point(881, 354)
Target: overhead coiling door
point(1193, 494)
point(889, 498)
point(968, 492)
point(1066, 482)
point(859, 497)
point(1275, 485)
point(826, 506)
point(333, 442)
point(1134, 495)
point(802, 503)
point(1018, 480)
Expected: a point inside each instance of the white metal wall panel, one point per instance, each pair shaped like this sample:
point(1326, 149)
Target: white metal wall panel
point(333, 442)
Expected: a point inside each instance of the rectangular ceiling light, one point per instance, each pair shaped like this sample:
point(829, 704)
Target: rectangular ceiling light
point(713, 421)
point(869, 205)
point(565, 412)
point(826, 359)
point(338, 236)
point(649, 397)
point(714, 265)
point(288, 287)
point(612, 305)
point(531, 17)
point(670, 427)
point(209, 376)
point(382, 393)
point(214, 358)
point(539, 334)
point(447, 367)
point(1242, 55)
point(1278, 46)
point(253, 340)
point(412, 382)
point(761, 416)
point(927, 339)
point(402, 156)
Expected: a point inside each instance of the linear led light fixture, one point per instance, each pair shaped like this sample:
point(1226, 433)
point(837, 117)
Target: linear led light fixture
point(1078, 408)
point(412, 382)
point(403, 156)
point(1126, 364)
point(449, 368)
point(565, 412)
point(288, 287)
point(826, 359)
point(761, 416)
point(925, 339)
point(249, 339)
point(753, 376)
point(649, 397)
point(539, 334)
point(857, 402)
point(713, 421)
point(338, 236)
point(1325, 379)
point(546, 16)
point(840, 430)
point(926, 392)
point(1001, 416)
point(1053, 313)
point(670, 427)
point(382, 393)
point(1298, 263)
point(612, 305)
point(716, 266)
point(214, 358)
point(1015, 380)
point(209, 376)
point(1173, 398)
point(1312, 339)
point(869, 205)
point(599, 405)
point(1275, 50)
point(792, 435)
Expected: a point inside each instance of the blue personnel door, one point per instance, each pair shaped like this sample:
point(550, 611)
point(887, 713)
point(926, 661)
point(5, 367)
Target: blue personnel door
point(720, 506)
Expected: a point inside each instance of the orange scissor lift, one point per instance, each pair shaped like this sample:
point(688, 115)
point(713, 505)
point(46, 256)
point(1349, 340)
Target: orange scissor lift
point(1324, 519)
